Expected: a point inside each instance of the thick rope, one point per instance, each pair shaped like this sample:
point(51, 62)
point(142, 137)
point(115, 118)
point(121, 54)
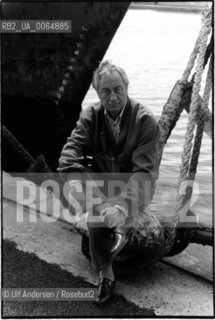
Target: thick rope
point(191, 61)
point(208, 51)
point(208, 86)
point(207, 55)
point(200, 128)
point(193, 56)
point(202, 43)
point(198, 138)
point(194, 100)
point(18, 146)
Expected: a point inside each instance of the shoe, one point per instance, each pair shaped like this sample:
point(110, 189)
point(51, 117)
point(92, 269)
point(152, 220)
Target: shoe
point(105, 290)
point(121, 240)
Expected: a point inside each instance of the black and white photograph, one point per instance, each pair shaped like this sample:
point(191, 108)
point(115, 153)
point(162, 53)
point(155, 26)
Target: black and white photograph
point(107, 159)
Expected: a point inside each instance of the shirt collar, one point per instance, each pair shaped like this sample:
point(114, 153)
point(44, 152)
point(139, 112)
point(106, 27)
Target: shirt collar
point(119, 116)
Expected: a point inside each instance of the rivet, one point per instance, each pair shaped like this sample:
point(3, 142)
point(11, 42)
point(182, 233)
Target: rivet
point(61, 89)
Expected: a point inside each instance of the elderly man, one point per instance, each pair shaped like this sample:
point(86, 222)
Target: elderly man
point(121, 136)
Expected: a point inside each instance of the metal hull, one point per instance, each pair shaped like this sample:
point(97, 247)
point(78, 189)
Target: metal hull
point(33, 68)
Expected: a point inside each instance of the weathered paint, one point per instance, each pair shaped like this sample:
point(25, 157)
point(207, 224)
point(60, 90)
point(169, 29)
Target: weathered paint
point(33, 67)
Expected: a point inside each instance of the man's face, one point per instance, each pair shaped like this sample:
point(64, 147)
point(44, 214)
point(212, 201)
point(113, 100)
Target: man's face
point(112, 93)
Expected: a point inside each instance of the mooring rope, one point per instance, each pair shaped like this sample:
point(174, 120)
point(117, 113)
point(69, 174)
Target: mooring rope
point(18, 146)
point(200, 49)
point(191, 61)
point(193, 55)
point(198, 139)
point(208, 86)
point(208, 51)
point(200, 128)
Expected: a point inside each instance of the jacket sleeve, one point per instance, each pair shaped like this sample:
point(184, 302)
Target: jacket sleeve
point(78, 144)
point(140, 187)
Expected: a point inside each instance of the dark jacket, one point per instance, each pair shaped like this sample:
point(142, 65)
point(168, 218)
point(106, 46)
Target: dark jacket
point(134, 154)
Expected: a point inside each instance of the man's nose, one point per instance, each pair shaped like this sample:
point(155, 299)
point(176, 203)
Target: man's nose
point(113, 96)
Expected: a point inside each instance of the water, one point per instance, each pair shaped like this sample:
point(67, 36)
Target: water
point(154, 47)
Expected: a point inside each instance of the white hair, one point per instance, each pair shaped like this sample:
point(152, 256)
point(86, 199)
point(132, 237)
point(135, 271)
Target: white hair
point(107, 68)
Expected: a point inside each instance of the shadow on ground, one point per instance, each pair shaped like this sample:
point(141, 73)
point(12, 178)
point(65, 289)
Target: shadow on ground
point(26, 270)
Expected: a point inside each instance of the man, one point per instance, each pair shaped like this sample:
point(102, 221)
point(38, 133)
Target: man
point(121, 136)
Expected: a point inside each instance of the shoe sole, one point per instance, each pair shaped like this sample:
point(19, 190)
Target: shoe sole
point(102, 302)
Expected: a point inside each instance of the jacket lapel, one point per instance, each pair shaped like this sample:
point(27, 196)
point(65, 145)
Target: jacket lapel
point(124, 125)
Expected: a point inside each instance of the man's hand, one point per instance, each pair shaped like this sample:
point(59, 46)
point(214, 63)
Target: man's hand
point(113, 217)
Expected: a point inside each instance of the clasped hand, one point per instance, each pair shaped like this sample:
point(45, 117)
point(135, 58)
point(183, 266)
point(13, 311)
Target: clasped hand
point(113, 217)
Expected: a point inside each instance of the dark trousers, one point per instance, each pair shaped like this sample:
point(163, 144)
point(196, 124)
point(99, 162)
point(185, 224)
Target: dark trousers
point(101, 241)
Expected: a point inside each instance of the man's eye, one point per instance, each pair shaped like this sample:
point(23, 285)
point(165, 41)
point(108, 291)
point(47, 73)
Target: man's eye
point(118, 90)
point(105, 91)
